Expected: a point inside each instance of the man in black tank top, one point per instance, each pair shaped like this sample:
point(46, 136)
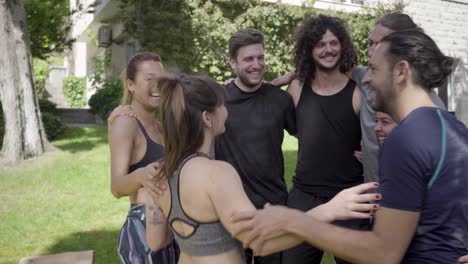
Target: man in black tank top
point(258, 114)
point(327, 113)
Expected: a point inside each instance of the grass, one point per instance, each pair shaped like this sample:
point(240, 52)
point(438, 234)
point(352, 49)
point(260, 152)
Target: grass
point(61, 201)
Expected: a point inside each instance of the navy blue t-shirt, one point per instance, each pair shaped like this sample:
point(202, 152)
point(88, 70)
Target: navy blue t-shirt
point(424, 168)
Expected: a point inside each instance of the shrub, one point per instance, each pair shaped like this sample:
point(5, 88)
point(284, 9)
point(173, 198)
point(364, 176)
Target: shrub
point(75, 91)
point(106, 98)
point(195, 33)
point(53, 124)
point(41, 73)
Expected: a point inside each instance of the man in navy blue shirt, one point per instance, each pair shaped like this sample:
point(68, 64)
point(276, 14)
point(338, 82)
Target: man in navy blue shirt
point(423, 215)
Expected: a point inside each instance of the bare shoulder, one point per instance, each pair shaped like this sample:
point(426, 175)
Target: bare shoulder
point(222, 172)
point(123, 127)
point(203, 173)
point(123, 121)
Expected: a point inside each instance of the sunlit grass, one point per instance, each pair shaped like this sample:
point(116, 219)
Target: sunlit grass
point(61, 201)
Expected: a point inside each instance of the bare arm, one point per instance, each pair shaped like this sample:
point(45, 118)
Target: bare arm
point(387, 242)
point(121, 142)
point(295, 89)
point(463, 259)
point(285, 79)
point(232, 199)
point(357, 97)
point(158, 234)
point(263, 225)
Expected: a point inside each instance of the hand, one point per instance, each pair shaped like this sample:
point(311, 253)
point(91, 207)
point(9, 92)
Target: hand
point(148, 179)
point(144, 197)
point(261, 225)
point(463, 259)
point(228, 81)
point(359, 156)
point(353, 203)
point(120, 111)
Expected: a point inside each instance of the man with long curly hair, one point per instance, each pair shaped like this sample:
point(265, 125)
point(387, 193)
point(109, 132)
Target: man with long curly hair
point(327, 113)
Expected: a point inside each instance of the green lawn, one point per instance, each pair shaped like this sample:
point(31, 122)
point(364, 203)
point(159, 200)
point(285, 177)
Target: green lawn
point(61, 201)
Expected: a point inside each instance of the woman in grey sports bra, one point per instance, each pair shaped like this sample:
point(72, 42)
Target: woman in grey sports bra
point(205, 193)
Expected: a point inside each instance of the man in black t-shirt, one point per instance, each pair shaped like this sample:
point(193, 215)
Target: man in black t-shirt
point(258, 116)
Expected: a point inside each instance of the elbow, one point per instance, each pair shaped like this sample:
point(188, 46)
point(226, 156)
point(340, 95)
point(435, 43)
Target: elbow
point(116, 193)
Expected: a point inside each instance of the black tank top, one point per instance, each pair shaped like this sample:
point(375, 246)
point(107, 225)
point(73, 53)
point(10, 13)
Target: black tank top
point(329, 132)
point(154, 151)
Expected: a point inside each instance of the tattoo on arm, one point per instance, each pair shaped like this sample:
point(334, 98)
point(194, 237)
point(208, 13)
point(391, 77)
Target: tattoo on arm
point(157, 217)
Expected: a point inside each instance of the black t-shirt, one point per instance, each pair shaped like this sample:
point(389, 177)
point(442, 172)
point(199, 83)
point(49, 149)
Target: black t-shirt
point(329, 132)
point(253, 138)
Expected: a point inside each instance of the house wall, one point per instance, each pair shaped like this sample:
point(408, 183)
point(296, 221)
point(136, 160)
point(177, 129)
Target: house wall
point(446, 22)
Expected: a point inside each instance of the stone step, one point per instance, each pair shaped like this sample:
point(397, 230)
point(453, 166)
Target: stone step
point(79, 117)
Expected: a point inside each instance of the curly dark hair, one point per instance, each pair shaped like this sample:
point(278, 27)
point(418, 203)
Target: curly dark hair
point(306, 37)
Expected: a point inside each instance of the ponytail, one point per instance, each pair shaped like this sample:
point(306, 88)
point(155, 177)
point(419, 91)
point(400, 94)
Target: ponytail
point(183, 101)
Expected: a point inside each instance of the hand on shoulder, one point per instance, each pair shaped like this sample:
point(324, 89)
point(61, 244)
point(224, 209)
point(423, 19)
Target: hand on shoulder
point(121, 110)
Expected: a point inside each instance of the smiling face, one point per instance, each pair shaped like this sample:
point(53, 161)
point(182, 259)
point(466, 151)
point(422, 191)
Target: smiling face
point(327, 52)
point(143, 92)
point(375, 37)
point(384, 124)
point(379, 79)
point(249, 65)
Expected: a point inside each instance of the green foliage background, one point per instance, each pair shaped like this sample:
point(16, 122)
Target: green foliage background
point(49, 26)
point(75, 91)
point(192, 35)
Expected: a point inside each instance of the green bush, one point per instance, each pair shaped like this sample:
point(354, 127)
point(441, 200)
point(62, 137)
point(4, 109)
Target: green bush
point(53, 124)
point(41, 73)
point(194, 34)
point(106, 98)
point(75, 91)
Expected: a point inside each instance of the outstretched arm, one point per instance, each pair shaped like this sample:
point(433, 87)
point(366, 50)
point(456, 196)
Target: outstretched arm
point(463, 259)
point(231, 201)
point(268, 224)
point(285, 79)
point(387, 242)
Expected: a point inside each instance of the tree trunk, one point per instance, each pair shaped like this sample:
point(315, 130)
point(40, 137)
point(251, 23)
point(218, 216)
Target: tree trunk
point(24, 134)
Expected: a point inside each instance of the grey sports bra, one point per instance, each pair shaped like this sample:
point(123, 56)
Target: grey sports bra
point(207, 238)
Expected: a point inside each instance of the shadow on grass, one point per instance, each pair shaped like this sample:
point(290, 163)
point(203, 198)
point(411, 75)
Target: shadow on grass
point(104, 244)
point(82, 138)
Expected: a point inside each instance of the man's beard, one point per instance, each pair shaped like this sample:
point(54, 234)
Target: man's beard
point(322, 68)
point(246, 81)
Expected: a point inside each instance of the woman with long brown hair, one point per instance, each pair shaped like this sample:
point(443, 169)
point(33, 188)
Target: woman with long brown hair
point(204, 193)
point(136, 144)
